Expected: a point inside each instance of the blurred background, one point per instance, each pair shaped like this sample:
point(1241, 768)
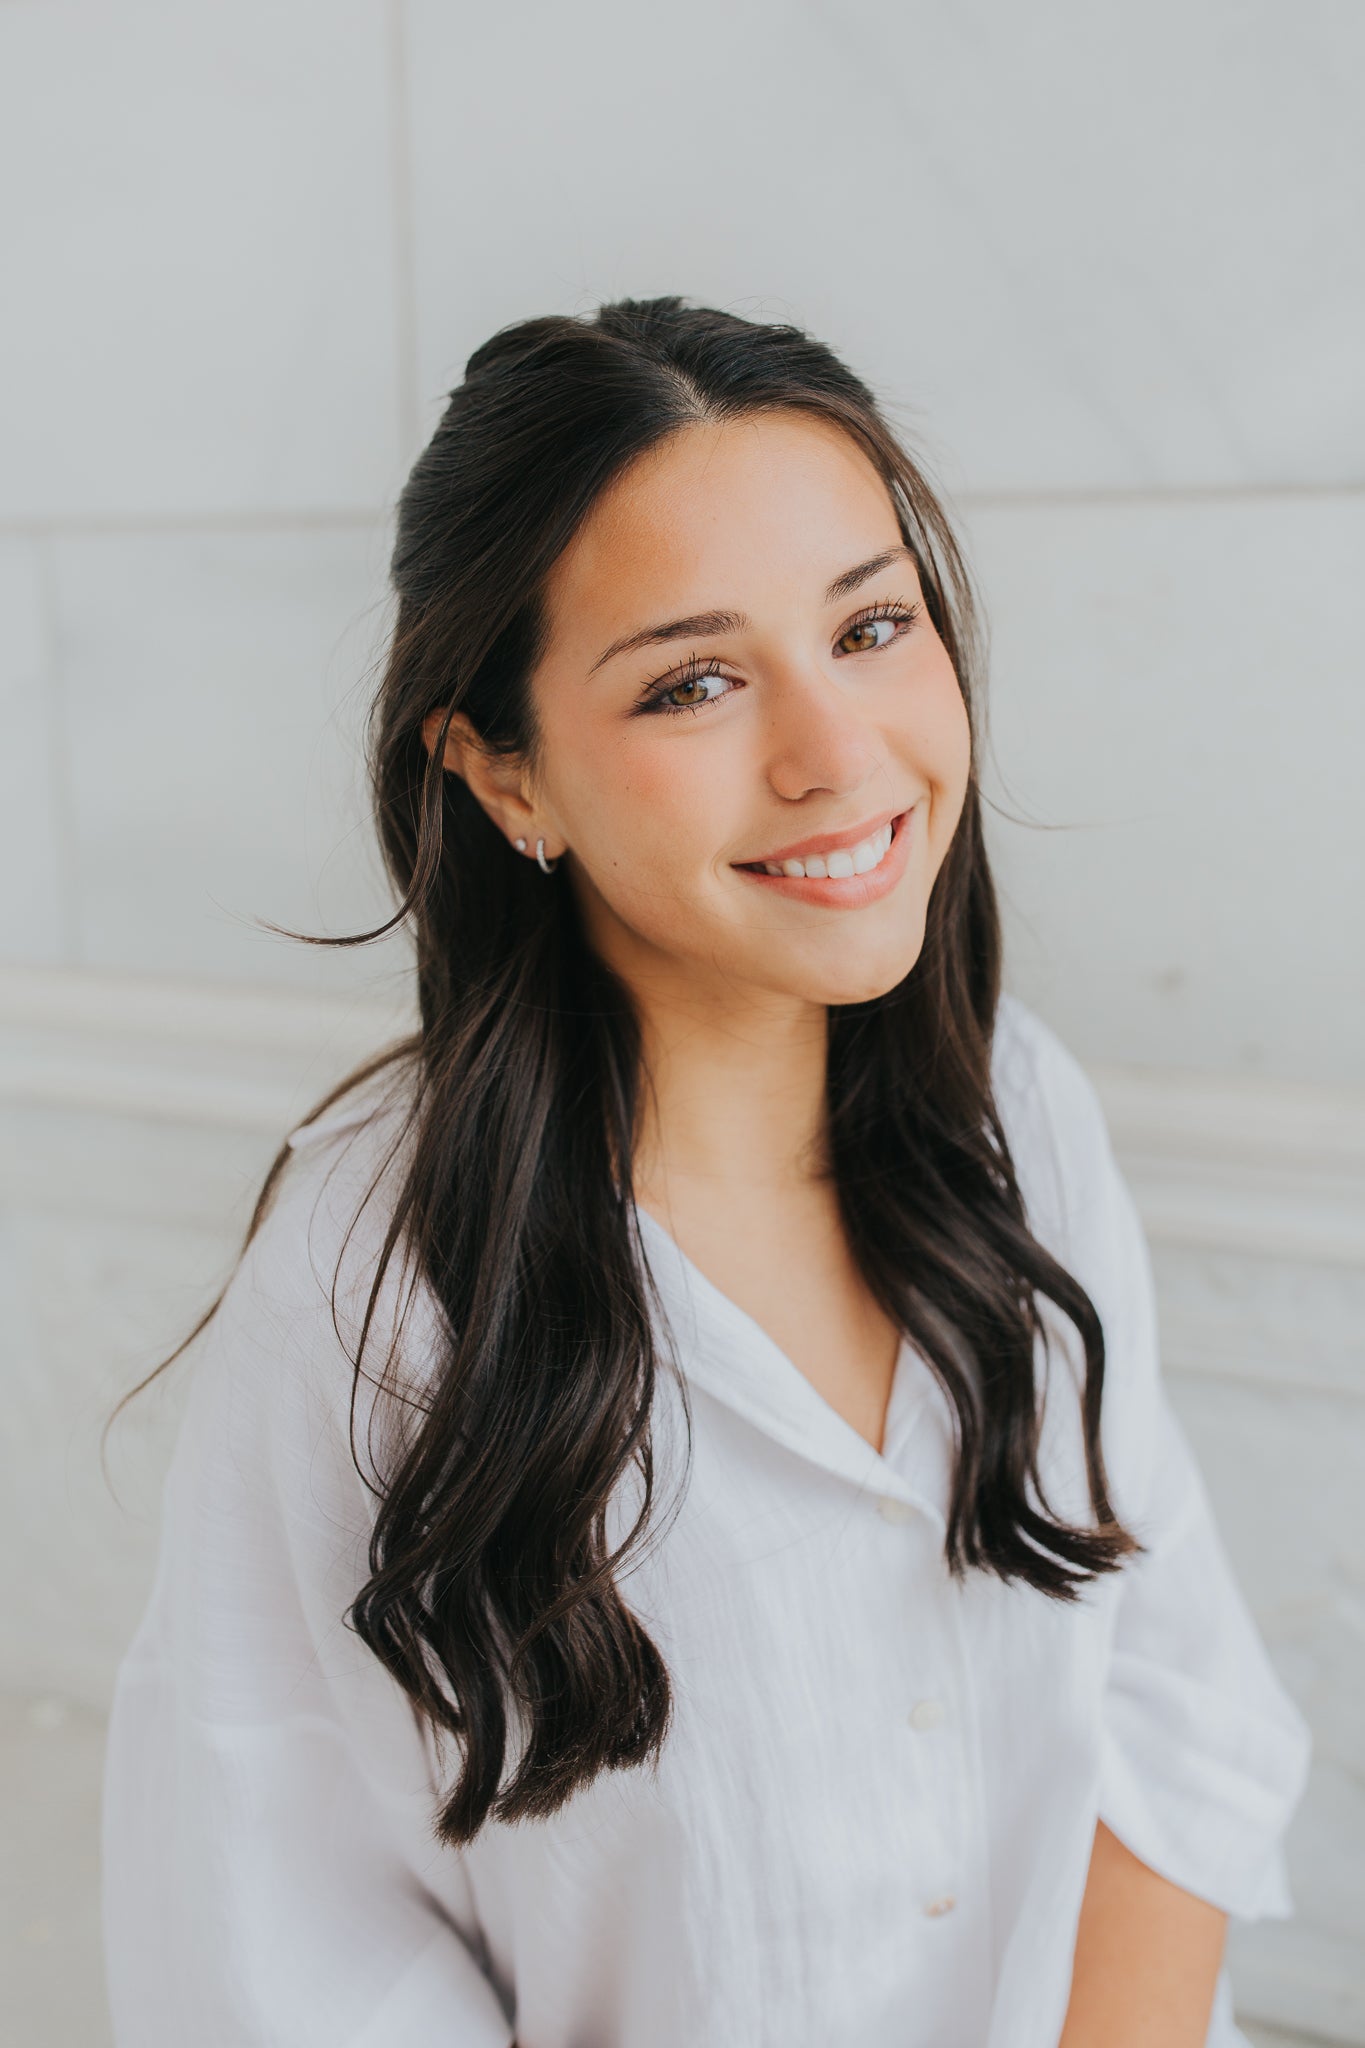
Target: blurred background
point(1104, 266)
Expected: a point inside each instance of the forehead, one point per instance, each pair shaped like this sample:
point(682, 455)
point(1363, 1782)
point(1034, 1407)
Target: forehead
point(778, 499)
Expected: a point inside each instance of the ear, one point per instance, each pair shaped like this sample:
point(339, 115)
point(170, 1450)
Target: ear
point(498, 781)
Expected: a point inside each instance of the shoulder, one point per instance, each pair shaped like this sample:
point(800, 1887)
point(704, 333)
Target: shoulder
point(1027, 1053)
point(1053, 1118)
point(334, 1198)
point(1082, 1209)
point(281, 1351)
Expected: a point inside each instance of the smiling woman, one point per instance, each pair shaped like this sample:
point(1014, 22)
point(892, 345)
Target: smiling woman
point(800, 731)
point(775, 1602)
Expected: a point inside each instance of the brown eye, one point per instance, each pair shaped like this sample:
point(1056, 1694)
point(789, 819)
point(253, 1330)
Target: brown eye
point(867, 628)
point(690, 693)
point(684, 695)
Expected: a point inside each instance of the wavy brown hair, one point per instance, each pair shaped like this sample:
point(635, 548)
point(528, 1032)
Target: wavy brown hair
point(493, 1593)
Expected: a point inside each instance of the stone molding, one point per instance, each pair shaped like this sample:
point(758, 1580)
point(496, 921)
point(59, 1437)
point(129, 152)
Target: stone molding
point(1218, 1162)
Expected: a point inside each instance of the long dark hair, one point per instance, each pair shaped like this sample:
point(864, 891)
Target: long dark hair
point(493, 1587)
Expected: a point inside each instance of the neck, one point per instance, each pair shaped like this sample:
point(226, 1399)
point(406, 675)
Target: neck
point(733, 1101)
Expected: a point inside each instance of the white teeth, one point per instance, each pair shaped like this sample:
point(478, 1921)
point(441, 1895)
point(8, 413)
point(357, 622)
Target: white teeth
point(837, 866)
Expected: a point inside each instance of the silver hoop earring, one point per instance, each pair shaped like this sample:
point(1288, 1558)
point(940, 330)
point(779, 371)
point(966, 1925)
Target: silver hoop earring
point(547, 867)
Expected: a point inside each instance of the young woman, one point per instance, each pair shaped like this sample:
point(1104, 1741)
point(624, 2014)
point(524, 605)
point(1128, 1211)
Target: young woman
point(678, 1538)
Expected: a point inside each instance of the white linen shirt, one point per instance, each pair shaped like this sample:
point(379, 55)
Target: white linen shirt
point(872, 1819)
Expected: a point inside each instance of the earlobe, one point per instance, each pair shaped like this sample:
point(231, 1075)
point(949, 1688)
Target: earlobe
point(494, 780)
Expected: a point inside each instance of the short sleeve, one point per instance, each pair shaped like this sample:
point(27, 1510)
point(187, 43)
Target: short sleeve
point(269, 1872)
point(1204, 1755)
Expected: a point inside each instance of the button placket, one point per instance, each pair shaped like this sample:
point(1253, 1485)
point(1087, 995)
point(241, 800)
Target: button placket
point(928, 1712)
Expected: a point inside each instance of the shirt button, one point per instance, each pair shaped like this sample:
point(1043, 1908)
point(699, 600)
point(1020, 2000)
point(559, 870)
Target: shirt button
point(893, 1510)
point(927, 1713)
point(943, 1905)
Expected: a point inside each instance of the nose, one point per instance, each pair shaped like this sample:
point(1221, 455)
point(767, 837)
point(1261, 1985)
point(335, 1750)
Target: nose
point(818, 740)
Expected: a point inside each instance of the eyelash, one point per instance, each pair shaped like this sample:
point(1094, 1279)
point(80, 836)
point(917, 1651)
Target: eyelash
point(697, 666)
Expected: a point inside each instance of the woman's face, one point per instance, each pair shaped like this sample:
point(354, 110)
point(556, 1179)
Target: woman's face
point(742, 682)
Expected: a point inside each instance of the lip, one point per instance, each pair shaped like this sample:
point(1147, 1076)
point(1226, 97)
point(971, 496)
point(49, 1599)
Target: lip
point(826, 842)
point(846, 892)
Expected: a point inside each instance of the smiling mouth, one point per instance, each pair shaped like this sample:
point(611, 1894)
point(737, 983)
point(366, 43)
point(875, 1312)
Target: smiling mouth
point(838, 863)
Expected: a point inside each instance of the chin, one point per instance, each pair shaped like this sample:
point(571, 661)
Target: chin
point(855, 980)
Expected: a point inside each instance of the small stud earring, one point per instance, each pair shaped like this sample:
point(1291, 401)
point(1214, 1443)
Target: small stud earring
point(547, 866)
point(521, 846)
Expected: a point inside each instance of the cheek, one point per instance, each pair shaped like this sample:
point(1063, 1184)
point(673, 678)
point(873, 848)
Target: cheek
point(935, 733)
point(637, 803)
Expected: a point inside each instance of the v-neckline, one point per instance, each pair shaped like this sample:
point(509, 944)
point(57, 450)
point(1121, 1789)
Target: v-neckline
point(734, 1357)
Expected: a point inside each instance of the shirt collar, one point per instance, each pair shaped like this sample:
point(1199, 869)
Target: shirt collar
point(720, 1348)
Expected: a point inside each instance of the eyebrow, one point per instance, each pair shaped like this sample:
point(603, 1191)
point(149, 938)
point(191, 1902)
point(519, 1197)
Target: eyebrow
point(699, 624)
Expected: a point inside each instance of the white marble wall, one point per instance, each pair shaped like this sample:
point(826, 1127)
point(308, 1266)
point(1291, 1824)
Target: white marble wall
point(1102, 264)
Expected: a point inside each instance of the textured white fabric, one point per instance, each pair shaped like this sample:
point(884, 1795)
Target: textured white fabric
point(872, 1820)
